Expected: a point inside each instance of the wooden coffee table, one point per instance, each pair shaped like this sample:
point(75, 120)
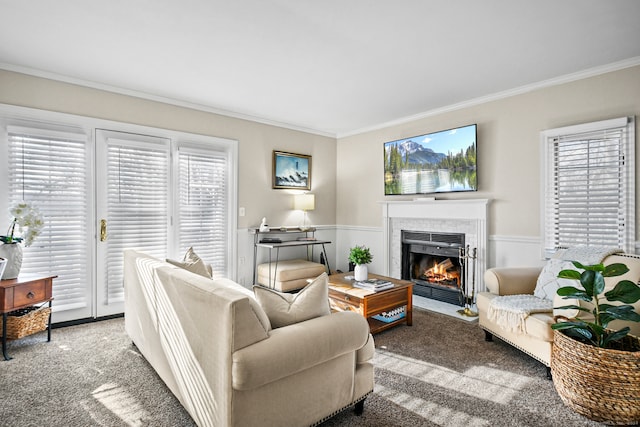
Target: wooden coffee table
point(344, 297)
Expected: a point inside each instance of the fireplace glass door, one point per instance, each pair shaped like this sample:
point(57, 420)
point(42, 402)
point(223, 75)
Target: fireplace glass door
point(432, 261)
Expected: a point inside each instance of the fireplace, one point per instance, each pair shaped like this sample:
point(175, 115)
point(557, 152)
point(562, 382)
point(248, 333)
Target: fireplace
point(465, 216)
point(433, 262)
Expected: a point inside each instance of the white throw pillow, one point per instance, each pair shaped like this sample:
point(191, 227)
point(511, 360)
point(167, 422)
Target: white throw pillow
point(286, 309)
point(193, 263)
point(548, 282)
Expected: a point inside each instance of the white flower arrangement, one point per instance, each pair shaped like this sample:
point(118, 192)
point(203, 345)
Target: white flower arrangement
point(29, 221)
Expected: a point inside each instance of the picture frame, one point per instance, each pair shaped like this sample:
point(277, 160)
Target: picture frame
point(291, 171)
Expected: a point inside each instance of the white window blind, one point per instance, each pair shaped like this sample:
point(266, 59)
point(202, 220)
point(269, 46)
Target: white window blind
point(589, 191)
point(50, 169)
point(203, 191)
point(137, 206)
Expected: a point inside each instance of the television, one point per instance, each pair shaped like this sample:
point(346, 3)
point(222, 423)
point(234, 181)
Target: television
point(438, 162)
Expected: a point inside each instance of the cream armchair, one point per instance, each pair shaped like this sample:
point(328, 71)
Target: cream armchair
point(538, 339)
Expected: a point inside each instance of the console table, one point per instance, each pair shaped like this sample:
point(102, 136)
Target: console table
point(23, 292)
point(304, 238)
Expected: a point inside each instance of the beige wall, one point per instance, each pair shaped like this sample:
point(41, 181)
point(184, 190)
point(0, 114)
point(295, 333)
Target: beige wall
point(256, 141)
point(347, 175)
point(508, 149)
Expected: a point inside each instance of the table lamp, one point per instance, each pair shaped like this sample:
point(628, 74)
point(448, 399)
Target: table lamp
point(304, 202)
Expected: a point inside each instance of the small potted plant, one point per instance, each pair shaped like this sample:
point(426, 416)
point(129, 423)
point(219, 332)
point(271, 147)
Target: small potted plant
point(596, 370)
point(360, 256)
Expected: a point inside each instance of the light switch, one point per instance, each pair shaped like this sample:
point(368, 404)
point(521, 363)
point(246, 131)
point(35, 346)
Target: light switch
point(241, 211)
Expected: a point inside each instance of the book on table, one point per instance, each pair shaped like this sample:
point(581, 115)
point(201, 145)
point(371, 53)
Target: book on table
point(373, 284)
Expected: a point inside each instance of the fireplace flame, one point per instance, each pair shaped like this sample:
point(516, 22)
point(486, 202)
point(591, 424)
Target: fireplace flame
point(440, 272)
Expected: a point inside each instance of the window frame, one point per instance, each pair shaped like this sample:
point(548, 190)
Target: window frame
point(549, 137)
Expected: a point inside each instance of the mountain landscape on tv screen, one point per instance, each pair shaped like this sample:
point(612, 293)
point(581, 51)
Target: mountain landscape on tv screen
point(442, 161)
point(417, 153)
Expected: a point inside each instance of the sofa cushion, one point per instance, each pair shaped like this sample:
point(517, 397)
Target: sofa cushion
point(290, 269)
point(537, 325)
point(548, 282)
point(285, 309)
point(192, 262)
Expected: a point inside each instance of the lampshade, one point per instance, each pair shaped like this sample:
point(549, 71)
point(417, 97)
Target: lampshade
point(304, 202)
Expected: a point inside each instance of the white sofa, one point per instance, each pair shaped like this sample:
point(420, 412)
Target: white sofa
point(213, 345)
point(538, 339)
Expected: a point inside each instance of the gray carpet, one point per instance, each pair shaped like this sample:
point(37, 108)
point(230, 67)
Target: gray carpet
point(439, 372)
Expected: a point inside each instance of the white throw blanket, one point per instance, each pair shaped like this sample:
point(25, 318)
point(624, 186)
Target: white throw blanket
point(511, 311)
point(588, 255)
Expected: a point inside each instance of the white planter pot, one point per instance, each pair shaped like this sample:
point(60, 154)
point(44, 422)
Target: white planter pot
point(360, 272)
point(12, 252)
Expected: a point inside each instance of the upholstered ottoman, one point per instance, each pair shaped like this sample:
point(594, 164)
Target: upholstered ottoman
point(289, 275)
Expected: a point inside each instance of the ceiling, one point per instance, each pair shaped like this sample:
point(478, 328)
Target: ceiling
point(334, 67)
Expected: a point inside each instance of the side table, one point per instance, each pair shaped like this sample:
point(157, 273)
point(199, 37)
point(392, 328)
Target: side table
point(23, 292)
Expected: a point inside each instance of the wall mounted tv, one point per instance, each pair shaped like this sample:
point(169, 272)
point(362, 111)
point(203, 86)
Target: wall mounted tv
point(438, 162)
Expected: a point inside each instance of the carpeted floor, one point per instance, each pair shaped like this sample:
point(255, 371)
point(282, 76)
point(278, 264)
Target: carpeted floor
point(439, 372)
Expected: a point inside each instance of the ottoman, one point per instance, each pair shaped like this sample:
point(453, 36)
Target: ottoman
point(290, 275)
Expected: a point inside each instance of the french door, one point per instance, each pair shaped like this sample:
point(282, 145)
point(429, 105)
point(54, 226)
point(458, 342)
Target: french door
point(51, 169)
point(132, 209)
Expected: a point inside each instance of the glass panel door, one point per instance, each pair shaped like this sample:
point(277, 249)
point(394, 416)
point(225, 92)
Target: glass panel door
point(133, 184)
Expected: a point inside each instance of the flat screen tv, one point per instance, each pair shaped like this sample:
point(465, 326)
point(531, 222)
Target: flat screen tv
point(438, 162)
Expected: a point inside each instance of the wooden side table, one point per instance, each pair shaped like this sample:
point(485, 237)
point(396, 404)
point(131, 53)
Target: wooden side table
point(344, 297)
point(23, 292)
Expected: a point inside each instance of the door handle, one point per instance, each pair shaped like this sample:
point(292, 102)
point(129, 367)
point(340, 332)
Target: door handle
point(103, 230)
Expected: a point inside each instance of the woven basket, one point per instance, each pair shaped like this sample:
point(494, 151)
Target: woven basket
point(29, 322)
point(601, 384)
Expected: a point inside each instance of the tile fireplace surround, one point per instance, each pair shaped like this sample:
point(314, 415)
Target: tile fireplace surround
point(445, 216)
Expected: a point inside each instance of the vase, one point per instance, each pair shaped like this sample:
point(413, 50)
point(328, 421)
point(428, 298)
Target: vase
point(360, 272)
point(12, 252)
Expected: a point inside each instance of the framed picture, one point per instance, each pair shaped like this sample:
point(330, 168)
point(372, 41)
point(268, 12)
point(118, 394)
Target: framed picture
point(291, 171)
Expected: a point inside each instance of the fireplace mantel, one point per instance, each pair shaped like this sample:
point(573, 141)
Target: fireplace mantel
point(467, 216)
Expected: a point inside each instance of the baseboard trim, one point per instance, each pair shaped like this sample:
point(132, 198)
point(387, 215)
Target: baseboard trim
point(85, 320)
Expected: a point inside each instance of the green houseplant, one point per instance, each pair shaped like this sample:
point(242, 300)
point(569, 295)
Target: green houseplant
point(360, 256)
point(595, 332)
point(595, 369)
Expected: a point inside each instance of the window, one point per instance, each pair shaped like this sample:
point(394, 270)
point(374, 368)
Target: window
point(589, 185)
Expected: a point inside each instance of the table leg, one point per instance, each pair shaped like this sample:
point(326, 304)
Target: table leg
point(4, 337)
point(275, 269)
point(49, 325)
point(270, 270)
point(409, 310)
point(326, 259)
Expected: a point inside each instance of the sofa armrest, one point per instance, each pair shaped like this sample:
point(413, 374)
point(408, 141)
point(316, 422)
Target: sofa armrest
point(297, 347)
point(512, 280)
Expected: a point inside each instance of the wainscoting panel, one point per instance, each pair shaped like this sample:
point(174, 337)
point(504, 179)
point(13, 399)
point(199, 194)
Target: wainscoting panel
point(503, 251)
point(515, 251)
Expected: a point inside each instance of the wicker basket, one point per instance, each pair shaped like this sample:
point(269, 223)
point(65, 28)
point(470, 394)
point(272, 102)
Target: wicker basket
point(601, 384)
point(29, 321)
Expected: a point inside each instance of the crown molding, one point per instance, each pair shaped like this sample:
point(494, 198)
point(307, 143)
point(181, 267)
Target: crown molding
point(591, 72)
point(156, 98)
